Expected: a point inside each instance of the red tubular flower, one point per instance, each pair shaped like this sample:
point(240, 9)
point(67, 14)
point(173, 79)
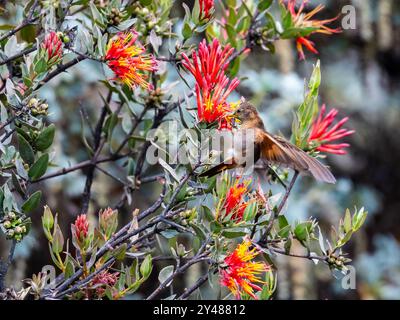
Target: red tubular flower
point(53, 46)
point(128, 60)
point(322, 135)
point(81, 227)
point(241, 274)
point(304, 20)
point(206, 9)
point(213, 87)
point(234, 199)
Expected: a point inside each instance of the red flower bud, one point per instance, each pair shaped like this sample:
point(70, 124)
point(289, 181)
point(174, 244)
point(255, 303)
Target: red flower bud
point(53, 46)
point(81, 227)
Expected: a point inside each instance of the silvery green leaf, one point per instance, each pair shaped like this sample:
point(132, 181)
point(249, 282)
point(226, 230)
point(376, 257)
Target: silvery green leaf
point(135, 254)
point(3, 113)
point(273, 201)
point(20, 169)
point(96, 14)
point(8, 199)
point(125, 25)
point(12, 47)
point(278, 27)
point(314, 260)
point(165, 273)
point(167, 167)
point(155, 40)
point(126, 124)
point(321, 240)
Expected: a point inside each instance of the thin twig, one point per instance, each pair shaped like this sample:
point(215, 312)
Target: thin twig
point(4, 266)
point(97, 146)
point(280, 207)
point(203, 279)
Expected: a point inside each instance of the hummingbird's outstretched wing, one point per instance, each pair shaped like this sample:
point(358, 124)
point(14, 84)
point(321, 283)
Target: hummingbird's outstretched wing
point(277, 150)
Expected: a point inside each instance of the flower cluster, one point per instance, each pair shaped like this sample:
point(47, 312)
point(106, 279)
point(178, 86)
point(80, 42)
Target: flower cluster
point(128, 60)
point(53, 47)
point(206, 9)
point(103, 280)
point(213, 87)
point(240, 273)
point(15, 226)
point(303, 20)
point(37, 107)
point(322, 134)
point(234, 202)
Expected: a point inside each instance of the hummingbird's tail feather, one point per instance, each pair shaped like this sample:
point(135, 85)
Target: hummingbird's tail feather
point(316, 168)
point(278, 150)
point(217, 169)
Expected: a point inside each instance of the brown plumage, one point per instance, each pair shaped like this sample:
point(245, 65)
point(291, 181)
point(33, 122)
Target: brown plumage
point(273, 149)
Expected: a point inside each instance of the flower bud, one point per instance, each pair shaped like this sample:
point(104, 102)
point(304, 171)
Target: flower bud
point(7, 224)
point(81, 227)
point(18, 229)
point(53, 46)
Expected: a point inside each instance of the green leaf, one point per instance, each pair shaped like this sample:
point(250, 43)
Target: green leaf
point(146, 267)
point(69, 269)
point(264, 4)
point(32, 203)
point(201, 234)
point(145, 2)
point(307, 111)
point(359, 218)
point(284, 231)
point(251, 211)
point(232, 35)
point(17, 184)
point(165, 273)
point(58, 240)
point(40, 66)
point(25, 150)
point(47, 222)
point(186, 31)
point(28, 33)
point(39, 168)
point(110, 124)
point(233, 234)
point(342, 241)
point(302, 230)
point(45, 138)
point(347, 221)
point(120, 252)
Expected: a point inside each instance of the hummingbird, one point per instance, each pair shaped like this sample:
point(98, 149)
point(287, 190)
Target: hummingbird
point(270, 148)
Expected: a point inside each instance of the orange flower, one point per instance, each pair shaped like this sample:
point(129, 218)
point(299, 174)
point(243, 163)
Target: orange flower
point(234, 199)
point(304, 20)
point(128, 60)
point(213, 87)
point(241, 274)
